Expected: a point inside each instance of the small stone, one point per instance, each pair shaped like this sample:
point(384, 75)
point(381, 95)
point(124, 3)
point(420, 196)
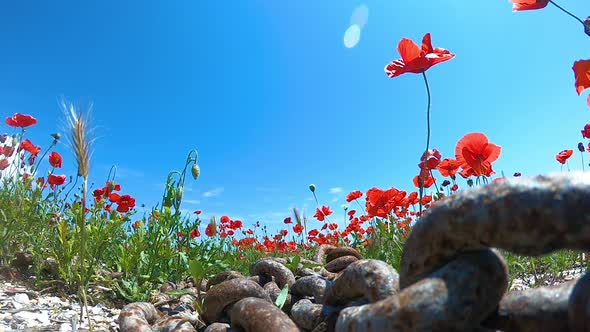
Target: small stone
point(21, 298)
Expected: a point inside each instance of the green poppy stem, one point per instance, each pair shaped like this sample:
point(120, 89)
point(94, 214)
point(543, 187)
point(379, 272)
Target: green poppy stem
point(420, 181)
point(567, 12)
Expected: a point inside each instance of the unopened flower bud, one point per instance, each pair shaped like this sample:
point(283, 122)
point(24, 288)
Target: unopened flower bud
point(195, 171)
point(470, 182)
point(587, 25)
point(312, 187)
point(344, 207)
point(56, 136)
point(581, 147)
point(445, 183)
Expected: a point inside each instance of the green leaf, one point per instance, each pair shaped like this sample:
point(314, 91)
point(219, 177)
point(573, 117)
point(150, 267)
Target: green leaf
point(177, 292)
point(196, 269)
point(280, 302)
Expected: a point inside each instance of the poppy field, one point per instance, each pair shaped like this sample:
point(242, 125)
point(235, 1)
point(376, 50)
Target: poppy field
point(92, 241)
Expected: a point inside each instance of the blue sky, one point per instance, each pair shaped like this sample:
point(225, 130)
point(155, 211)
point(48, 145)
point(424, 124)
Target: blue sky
point(271, 98)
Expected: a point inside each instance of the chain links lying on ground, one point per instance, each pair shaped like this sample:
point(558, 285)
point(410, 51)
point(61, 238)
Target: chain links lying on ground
point(451, 278)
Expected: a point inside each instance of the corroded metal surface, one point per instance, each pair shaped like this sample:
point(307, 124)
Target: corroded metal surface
point(454, 298)
point(255, 314)
point(527, 216)
point(228, 292)
point(369, 278)
point(282, 275)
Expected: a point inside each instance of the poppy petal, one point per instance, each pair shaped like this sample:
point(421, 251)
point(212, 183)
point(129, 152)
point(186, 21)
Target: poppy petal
point(427, 44)
point(395, 68)
point(491, 152)
point(581, 70)
point(408, 50)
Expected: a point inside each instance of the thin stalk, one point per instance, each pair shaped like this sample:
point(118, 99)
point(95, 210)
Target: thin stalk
point(43, 156)
point(420, 181)
point(567, 12)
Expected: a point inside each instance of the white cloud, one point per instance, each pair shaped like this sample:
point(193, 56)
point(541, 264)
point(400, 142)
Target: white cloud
point(335, 190)
point(191, 201)
point(213, 192)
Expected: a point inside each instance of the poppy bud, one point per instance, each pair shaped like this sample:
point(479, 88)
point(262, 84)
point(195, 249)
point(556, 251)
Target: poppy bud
point(179, 194)
point(581, 147)
point(587, 25)
point(312, 187)
point(56, 136)
point(3, 138)
point(470, 182)
point(344, 207)
point(195, 171)
point(517, 174)
point(445, 183)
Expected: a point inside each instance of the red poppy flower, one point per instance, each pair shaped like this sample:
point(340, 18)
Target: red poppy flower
point(415, 59)
point(56, 180)
point(6, 150)
point(427, 181)
point(455, 187)
point(114, 197)
point(235, 224)
point(179, 234)
point(351, 214)
point(563, 156)
point(283, 232)
point(21, 120)
point(520, 5)
point(28, 146)
point(3, 164)
point(448, 167)
point(354, 195)
point(41, 182)
point(475, 155)
point(321, 214)
point(97, 193)
point(381, 202)
point(195, 233)
point(586, 131)
point(125, 203)
point(287, 220)
point(197, 212)
point(313, 233)
point(135, 224)
point(224, 220)
point(110, 186)
point(210, 230)
point(517, 174)
point(55, 159)
point(298, 228)
point(581, 70)
point(429, 159)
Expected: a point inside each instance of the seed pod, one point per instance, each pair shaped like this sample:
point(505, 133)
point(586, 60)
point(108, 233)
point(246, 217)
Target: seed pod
point(195, 171)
